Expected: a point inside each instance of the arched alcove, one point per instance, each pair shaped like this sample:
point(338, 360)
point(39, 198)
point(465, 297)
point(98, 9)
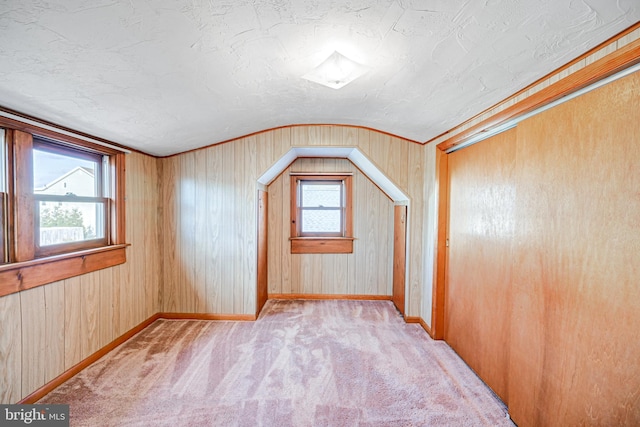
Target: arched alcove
point(374, 174)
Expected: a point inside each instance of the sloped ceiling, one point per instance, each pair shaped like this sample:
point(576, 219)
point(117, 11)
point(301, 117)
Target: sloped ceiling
point(165, 76)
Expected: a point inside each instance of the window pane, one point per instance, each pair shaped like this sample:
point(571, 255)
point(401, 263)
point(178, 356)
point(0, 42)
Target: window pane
point(321, 221)
point(320, 195)
point(3, 198)
point(64, 222)
point(55, 173)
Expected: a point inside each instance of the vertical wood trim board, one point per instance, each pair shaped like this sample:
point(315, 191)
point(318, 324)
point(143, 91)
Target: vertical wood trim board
point(23, 185)
point(263, 220)
point(399, 255)
point(440, 249)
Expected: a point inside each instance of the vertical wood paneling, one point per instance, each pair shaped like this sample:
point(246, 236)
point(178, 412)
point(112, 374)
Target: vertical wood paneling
point(151, 214)
point(72, 322)
point(330, 273)
point(90, 305)
point(33, 337)
point(300, 136)
point(282, 142)
point(200, 228)
point(289, 271)
point(249, 242)
point(188, 241)
point(230, 206)
point(418, 220)
point(116, 291)
point(176, 270)
point(54, 330)
point(227, 220)
point(169, 207)
point(274, 250)
point(11, 371)
point(106, 283)
point(440, 256)
point(399, 255)
point(48, 329)
point(213, 207)
point(263, 222)
point(133, 232)
point(237, 247)
point(264, 146)
point(363, 140)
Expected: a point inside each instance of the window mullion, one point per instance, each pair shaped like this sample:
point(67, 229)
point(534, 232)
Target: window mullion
point(23, 187)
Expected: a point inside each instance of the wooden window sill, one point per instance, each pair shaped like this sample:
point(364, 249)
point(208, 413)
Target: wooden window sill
point(322, 245)
point(20, 276)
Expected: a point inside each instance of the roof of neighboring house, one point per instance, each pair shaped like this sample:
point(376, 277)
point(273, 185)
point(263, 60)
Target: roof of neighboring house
point(73, 171)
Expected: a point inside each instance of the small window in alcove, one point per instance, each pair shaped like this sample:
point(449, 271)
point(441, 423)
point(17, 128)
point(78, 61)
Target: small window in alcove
point(321, 219)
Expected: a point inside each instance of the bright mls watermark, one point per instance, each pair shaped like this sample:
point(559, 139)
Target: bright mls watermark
point(34, 415)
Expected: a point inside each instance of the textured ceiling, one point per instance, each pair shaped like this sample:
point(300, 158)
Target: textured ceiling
point(165, 76)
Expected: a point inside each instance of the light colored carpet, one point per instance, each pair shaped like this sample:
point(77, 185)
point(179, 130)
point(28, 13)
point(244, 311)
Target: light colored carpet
point(302, 363)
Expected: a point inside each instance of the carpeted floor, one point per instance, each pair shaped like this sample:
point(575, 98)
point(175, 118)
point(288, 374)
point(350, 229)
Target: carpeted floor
point(302, 363)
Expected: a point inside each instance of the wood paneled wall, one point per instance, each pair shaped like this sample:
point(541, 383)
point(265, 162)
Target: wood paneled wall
point(551, 224)
point(46, 330)
point(209, 201)
point(366, 271)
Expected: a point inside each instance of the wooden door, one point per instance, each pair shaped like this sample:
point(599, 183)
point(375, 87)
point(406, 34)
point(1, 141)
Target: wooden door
point(399, 255)
point(478, 290)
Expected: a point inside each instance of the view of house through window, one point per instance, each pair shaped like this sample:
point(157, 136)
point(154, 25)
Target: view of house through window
point(68, 193)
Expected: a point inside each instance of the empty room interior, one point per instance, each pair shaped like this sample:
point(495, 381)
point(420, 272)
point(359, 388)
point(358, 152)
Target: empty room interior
point(321, 213)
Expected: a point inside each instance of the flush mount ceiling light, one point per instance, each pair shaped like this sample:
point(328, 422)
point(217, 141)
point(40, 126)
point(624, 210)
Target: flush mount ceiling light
point(336, 71)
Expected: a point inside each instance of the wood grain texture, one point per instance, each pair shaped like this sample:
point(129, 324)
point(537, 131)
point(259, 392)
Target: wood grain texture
point(321, 273)
point(399, 255)
point(319, 245)
point(23, 187)
point(40, 321)
point(481, 231)
point(440, 246)
point(575, 347)
point(30, 274)
point(10, 349)
point(263, 276)
point(418, 246)
point(544, 244)
point(49, 329)
point(227, 243)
